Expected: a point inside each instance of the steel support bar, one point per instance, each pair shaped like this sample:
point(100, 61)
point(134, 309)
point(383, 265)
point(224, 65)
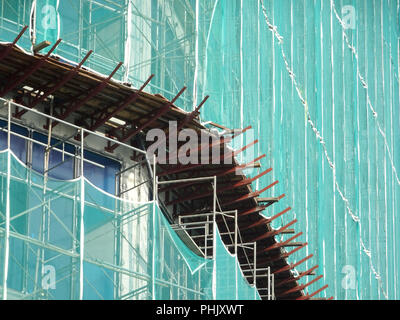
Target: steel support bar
point(293, 265)
point(188, 118)
point(155, 115)
point(249, 195)
point(301, 275)
point(189, 179)
point(10, 46)
point(301, 287)
point(221, 173)
point(59, 83)
point(285, 255)
point(131, 99)
point(76, 105)
point(281, 244)
point(16, 80)
point(220, 190)
point(74, 126)
point(275, 232)
point(308, 296)
point(269, 220)
point(252, 210)
point(210, 146)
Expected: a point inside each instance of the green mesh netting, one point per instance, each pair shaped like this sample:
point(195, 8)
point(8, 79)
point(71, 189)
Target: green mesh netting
point(121, 249)
point(230, 283)
point(317, 80)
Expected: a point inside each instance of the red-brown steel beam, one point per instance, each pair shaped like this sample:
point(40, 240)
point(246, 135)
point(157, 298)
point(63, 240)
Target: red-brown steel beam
point(265, 221)
point(188, 118)
point(219, 190)
point(59, 83)
point(280, 256)
point(280, 244)
point(308, 296)
point(212, 145)
point(301, 275)
point(293, 265)
point(186, 167)
point(131, 99)
point(16, 80)
point(258, 208)
point(249, 195)
point(274, 232)
point(269, 220)
point(159, 113)
point(77, 104)
point(252, 210)
point(6, 51)
point(287, 254)
point(222, 172)
point(182, 168)
point(300, 287)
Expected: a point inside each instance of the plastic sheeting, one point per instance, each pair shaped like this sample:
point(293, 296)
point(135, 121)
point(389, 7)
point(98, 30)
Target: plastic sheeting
point(71, 240)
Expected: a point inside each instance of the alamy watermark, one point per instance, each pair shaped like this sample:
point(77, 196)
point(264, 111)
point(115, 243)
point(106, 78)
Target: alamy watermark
point(48, 277)
point(349, 279)
point(349, 17)
point(190, 146)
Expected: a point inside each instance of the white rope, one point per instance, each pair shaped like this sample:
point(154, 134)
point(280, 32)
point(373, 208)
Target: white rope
point(365, 86)
point(375, 116)
point(303, 100)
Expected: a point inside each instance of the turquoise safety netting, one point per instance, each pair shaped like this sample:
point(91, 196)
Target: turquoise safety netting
point(317, 80)
point(230, 282)
point(119, 250)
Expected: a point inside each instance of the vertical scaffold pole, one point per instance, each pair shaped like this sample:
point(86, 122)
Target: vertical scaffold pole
point(273, 286)
point(214, 277)
point(255, 270)
point(153, 275)
point(7, 226)
point(82, 225)
point(269, 283)
point(155, 191)
point(236, 255)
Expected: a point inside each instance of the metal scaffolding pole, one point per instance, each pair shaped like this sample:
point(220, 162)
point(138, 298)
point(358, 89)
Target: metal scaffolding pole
point(7, 218)
point(82, 222)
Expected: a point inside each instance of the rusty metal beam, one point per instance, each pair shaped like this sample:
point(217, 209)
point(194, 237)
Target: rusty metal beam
point(301, 275)
point(16, 80)
point(188, 118)
point(77, 104)
point(287, 254)
point(274, 232)
point(155, 115)
point(280, 244)
point(191, 115)
point(301, 287)
point(58, 84)
point(212, 145)
point(265, 221)
point(293, 265)
point(308, 296)
point(249, 195)
point(252, 210)
point(239, 184)
point(131, 99)
point(280, 256)
point(10, 46)
point(222, 172)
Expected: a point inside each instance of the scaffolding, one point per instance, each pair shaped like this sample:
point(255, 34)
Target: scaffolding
point(68, 239)
point(203, 45)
